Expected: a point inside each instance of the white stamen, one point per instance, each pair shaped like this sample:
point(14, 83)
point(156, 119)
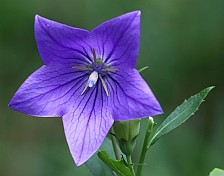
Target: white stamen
point(85, 88)
point(104, 85)
point(92, 79)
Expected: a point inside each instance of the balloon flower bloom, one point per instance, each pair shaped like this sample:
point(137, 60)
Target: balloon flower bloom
point(89, 79)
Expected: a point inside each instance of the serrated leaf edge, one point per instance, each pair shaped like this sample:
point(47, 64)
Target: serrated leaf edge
point(208, 89)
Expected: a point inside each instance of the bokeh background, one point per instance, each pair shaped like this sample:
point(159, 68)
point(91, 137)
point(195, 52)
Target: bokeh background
point(182, 42)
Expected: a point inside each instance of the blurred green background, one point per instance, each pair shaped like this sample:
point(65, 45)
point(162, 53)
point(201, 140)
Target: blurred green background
point(182, 42)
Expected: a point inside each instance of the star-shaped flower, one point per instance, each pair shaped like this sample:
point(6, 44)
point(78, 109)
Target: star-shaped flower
point(89, 79)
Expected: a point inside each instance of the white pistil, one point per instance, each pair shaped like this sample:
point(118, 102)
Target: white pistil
point(92, 79)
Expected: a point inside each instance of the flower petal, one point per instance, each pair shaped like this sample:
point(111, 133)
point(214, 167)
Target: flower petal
point(49, 91)
point(117, 40)
point(87, 124)
point(131, 97)
point(61, 44)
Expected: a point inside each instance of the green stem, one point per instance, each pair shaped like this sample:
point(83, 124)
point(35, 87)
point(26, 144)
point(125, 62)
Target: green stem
point(130, 165)
point(145, 146)
point(114, 144)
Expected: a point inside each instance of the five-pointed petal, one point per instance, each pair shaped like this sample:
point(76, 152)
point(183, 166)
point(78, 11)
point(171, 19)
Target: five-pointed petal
point(55, 89)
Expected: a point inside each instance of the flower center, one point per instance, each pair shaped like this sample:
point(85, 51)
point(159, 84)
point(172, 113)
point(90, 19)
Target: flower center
point(98, 69)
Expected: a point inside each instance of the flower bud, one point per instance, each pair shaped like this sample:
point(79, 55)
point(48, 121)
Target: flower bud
point(126, 133)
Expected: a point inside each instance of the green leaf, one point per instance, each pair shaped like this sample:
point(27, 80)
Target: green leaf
point(118, 166)
point(142, 69)
point(217, 172)
point(180, 114)
point(96, 166)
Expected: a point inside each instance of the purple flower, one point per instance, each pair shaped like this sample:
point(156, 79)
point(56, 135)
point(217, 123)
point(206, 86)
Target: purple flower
point(89, 79)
